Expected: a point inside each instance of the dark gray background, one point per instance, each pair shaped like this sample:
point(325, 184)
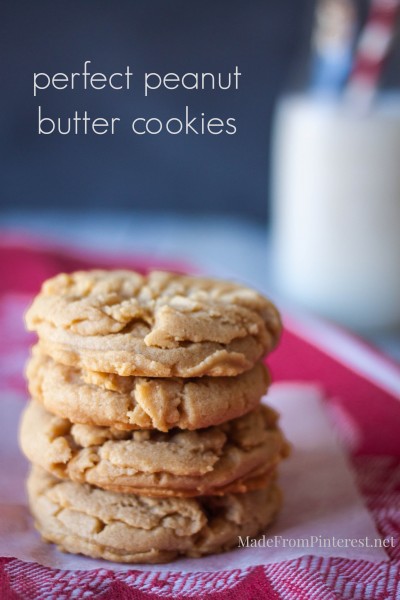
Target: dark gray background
point(226, 174)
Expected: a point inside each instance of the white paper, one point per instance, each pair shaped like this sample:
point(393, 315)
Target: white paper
point(321, 498)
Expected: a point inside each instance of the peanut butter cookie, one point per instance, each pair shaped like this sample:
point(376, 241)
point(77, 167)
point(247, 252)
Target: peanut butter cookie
point(159, 325)
point(111, 400)
point(236, 456)
point(136, 529)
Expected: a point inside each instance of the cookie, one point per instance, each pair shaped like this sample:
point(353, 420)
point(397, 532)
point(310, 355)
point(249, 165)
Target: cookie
point(236, 456)
point(136, 529)
point(111, 400)
point(159, 325)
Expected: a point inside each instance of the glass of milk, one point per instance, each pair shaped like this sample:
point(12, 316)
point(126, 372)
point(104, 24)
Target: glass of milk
point(336, 208)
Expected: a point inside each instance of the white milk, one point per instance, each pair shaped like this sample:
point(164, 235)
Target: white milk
point(336, 209)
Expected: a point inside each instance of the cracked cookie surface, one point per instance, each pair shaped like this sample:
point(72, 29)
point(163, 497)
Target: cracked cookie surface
point(159, 325)
point(142, 403)
point(236, 456)
point(136, 529)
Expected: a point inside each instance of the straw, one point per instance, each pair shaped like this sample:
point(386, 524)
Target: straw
point(332, 42)
point(372, 50)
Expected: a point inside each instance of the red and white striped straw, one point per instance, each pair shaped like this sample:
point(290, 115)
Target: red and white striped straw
point(372, 49)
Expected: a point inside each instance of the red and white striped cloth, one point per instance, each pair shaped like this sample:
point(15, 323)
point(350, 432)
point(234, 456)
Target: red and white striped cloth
point(364, 392)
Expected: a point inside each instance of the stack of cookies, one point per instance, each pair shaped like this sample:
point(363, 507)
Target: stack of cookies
point(145, 428)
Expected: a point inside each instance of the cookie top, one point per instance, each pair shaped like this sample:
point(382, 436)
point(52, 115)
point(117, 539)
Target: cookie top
point(111, 400)
point(129, 528)
point(158, 325)
point(236, 456)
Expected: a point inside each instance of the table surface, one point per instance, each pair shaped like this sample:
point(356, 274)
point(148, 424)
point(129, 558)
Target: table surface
point(221, 246)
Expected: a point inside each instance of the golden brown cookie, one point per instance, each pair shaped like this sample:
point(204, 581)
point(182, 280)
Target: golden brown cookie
point(235, 457)
point(136, 529)
point(111, 400)
point(159, 325)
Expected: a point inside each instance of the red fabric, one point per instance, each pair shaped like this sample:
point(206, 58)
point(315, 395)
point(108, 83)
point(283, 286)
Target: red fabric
point(356, 404)
point(376, 412)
